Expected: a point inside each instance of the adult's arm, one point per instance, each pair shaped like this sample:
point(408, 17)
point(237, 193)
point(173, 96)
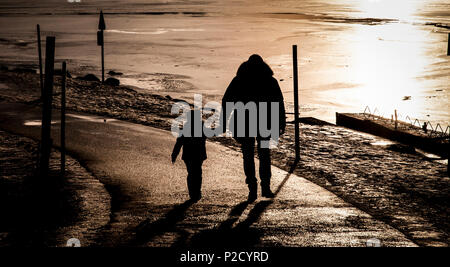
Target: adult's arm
point(282, 110)
point(229, 96)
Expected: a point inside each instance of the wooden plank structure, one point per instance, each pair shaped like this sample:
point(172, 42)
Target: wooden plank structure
point(405, 132)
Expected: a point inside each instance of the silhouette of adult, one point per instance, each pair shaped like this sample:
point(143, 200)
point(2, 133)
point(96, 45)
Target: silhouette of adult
point(254, 82)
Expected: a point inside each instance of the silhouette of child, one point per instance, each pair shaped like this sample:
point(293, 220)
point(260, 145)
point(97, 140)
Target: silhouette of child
point(194, 153)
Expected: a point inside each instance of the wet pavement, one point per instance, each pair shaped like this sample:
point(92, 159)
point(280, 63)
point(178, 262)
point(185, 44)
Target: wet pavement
point(392, 182)
point(149, 197)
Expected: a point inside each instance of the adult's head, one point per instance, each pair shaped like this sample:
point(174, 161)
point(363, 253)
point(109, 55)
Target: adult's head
point(254, 67)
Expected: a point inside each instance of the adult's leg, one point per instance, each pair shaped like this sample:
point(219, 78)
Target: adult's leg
point(248, 153)
point(265, 172)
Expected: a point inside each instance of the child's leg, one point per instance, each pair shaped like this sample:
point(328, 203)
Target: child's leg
point(190, 170)
point(198, 179)
point(194, 178)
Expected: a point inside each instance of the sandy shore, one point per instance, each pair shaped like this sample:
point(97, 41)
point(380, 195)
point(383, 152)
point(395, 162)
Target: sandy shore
point(406, 190)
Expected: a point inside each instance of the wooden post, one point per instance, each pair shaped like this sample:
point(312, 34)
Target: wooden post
point(100, 41)
point(46, 142)
point(63, 119)
point(41, 75)
point(103, 61)
point(448, 54)
point(448, 45)
point(396, 118)
point(296, 122)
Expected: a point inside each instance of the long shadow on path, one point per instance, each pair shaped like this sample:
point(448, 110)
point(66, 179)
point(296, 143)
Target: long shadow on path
point(242, 235)
point(147, 230)
point(225, 235)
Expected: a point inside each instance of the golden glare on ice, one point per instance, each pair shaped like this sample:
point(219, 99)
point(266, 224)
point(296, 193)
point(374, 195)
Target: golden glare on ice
point(399, 9)
point(388, 61)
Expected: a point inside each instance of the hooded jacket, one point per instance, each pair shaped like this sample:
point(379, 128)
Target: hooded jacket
point(254, 82)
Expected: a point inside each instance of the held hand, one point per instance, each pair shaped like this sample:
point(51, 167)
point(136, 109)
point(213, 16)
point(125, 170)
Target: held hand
point(222, 125)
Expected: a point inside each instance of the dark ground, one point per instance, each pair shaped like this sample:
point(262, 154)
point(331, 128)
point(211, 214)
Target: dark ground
point(38, 212)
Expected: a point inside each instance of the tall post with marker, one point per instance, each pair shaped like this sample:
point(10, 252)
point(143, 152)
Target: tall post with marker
point(100, 41)
point(296, 122)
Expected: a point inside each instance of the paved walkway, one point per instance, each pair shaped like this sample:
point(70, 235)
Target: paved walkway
point(149, 194)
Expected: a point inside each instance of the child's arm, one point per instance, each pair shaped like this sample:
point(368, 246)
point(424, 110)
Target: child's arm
point(177, 148)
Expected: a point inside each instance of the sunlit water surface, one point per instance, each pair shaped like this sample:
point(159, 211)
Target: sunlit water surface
point(382, 54)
